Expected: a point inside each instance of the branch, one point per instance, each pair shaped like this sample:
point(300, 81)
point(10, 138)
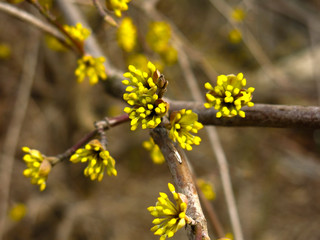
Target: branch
point(13, 130)
point(113, 85)
point(261, 115)
point(27, 17)
point(102, 125)
point(183, 179)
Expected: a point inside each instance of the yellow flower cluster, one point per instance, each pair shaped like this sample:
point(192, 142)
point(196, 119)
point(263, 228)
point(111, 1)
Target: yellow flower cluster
point(127, 35)
point(158, 37)
point(5, 51)
point(229, 95)
point(140, 61)
point(117, 6)
point(54, 44)
point(99, 160)
point(38, 165)
point(92, 68)
point(182, 123)
point(169, 217)
point(155, 153)
point(238, 14)
point(207, 189)
point(18, 212)
point(235, 36)
point(147, 108)
point(78, 32)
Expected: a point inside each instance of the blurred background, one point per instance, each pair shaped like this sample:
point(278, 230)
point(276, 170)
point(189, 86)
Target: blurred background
point(275, 172)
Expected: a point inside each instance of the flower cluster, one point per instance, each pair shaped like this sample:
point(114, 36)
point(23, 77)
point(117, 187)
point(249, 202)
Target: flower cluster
point(155, 153)
point(182, 123)
point(138, 60)
point(206, 189)
point(18, 212)
point(54, 44)
point(127, 35)
point(77, 32)
point(229, 95)
point(238, 14)
point(169, 217)
point(117, 6)
point(92, 68)
point(235, 36)
point(5, 51)
point(38, 165)
point(143, 95)
point(98, 160)
point(158, 38)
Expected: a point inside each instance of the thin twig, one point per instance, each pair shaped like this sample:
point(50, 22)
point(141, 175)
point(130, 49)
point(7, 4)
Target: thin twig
point(27, 17)
point(252, 44)
point(19, 112)
point(53, 21)
point(113, 86)
point(102, 126)
point(212, 215)
point(215, 145)
point(107, 17)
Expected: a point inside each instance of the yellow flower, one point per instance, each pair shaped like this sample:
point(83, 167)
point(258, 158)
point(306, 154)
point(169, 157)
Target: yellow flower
point(38, 165)
point(235, 36)
point(155, 153)
point(54, 43)
point(127, 35)
point(229, 236)
point(158, 36)
point(207, 189)
point(169, 55)
point(17, 212)
point(169, 217)
point(15, 1)
point(140, 61)
point(92, 68)
point(78, 32)
point(182, 123)
point(229, 96)
point(238, 14)
point(99, 160)
point(143, 95)
point(47, 4)
point(5, 51)
point(117, 6)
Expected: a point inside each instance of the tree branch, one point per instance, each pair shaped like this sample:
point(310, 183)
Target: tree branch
point(183, 179)
point(261, 115)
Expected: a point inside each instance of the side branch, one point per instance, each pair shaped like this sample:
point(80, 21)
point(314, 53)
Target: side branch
point(261, 115)
point(182, 177)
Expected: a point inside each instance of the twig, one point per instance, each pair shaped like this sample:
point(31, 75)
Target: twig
point(215, 145)
point(73, 213)
point(252, 44)
point(113, 86)
point(212, 215)
point(27, 17)
point(183, 179)
point(226, 182)
point(261, 115)
point(19, 112)
point(53, 21)
point(197, 56)
point(100, 127)
point(104, 14)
